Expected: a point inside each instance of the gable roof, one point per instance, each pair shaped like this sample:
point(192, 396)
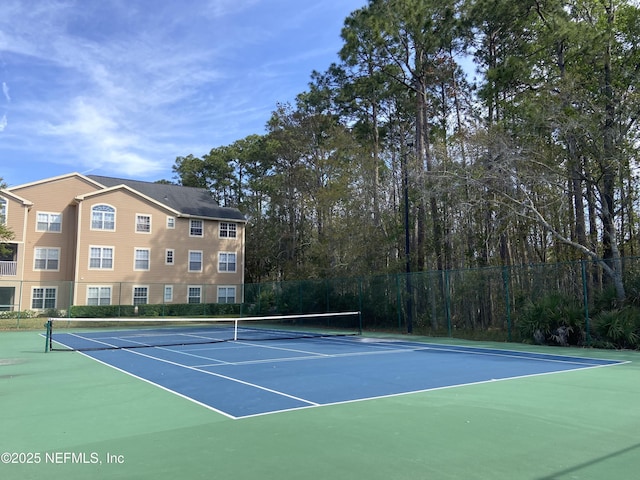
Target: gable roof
point(17, 198)
point(188, 201)
point(55, 179)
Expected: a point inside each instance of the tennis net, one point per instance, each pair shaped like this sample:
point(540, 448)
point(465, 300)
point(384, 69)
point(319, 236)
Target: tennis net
point(83, 334)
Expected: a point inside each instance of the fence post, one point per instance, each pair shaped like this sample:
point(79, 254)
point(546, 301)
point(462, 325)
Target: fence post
point(399, 301)
point(585, 299)
point(72, 288)
point(447, 301)
point(20, 302)
point(119, 299)
point(505, 280)
point(259, 298)
point(360, 303)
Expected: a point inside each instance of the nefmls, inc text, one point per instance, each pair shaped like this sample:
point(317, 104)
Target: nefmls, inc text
point(61, 458)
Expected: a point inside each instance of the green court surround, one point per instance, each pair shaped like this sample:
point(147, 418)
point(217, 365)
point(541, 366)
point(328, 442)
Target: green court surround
point(574, 425)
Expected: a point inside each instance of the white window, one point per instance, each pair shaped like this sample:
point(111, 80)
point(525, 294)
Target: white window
point(168, 293)
point(226, 262)
point(226, 294)
point(3, 211)
point(228, 230)
point(195, 228)
point(195, 260)
point(46, 259)
point(43, 297)
point(142, 256)
point(98, 295)
point(101, 258)
point(194, 294)
point(49, 222)
point(140, 295)
point(103, 217)
point(171, 222)
point(169, 256)
point(143, 223)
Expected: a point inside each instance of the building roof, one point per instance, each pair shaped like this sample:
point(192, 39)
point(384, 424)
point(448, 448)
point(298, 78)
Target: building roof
point(17, 198)
point(190, 201)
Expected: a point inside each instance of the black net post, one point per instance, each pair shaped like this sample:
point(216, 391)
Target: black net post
point(47, 345)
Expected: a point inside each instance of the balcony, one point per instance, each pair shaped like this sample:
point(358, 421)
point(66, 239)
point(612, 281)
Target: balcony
point(8, 269)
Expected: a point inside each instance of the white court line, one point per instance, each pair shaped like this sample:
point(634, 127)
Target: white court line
point(310, 355)
point(310, 404)
point(392, 348)
point(317, 357)
point(544, 357)
point(237, 380)
point(188, 354)
point(226, 377)
point(433, 389)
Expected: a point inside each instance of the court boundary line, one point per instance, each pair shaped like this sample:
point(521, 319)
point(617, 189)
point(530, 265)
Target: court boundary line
point(199, 370)
point(310, 404)
point(411, 347)
point(166, 389)
point(433, 389)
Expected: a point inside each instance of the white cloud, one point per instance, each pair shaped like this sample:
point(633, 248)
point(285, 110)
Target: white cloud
point(91, 132)
point(3, 122)
point(127, 86)
point(111, 103)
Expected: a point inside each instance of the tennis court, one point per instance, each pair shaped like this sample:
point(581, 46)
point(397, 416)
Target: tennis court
point(245, 378)
point(314, 407)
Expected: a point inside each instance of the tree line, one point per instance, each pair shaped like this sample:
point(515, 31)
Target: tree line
point(452, 133)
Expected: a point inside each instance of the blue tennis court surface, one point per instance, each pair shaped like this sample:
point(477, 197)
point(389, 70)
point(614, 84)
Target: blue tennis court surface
point(243, 379)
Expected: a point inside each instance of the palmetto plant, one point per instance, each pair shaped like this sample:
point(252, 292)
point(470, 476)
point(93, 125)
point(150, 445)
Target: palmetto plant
point(555, 319)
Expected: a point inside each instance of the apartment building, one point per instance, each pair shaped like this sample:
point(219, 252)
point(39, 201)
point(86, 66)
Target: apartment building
point(95, 240)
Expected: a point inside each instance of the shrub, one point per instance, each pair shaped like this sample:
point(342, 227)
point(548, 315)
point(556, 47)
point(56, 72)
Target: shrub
point(618, 328)
point(18, 314)
point(156, 310)
point(555, 319)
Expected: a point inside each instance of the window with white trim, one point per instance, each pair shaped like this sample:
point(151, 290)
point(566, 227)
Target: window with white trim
point(140, 295)
point(195, 260)
point(226, 294)
point(101, 258)
point(3, 211)
point(98, 295)
point(194, 294)
point(228, 230)
point(169, 256)
point(103, 217)
point(168, 293)
point(43, 297)
point(46, 258)
point(49, 222)
point(143, 223)
point(196, 228)
point(141, 256)
point(226, 262)
point(171, 222)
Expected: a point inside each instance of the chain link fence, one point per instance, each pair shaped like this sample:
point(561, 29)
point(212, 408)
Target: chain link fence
point(563, 303)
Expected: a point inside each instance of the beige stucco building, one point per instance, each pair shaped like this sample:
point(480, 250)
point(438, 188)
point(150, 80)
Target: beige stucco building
point(94, 240)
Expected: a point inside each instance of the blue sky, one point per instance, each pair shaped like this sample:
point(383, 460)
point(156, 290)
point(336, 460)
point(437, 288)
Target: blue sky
point(123, 87)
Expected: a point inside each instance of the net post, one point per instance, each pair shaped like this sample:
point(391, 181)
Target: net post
point(47, 345)
point(235, 330)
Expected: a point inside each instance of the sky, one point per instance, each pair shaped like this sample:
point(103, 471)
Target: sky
point(123, 87)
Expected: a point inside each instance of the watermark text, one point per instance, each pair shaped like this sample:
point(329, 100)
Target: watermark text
point(62, 458)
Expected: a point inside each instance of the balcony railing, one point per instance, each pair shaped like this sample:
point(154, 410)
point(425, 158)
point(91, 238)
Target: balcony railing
point(8, 269)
